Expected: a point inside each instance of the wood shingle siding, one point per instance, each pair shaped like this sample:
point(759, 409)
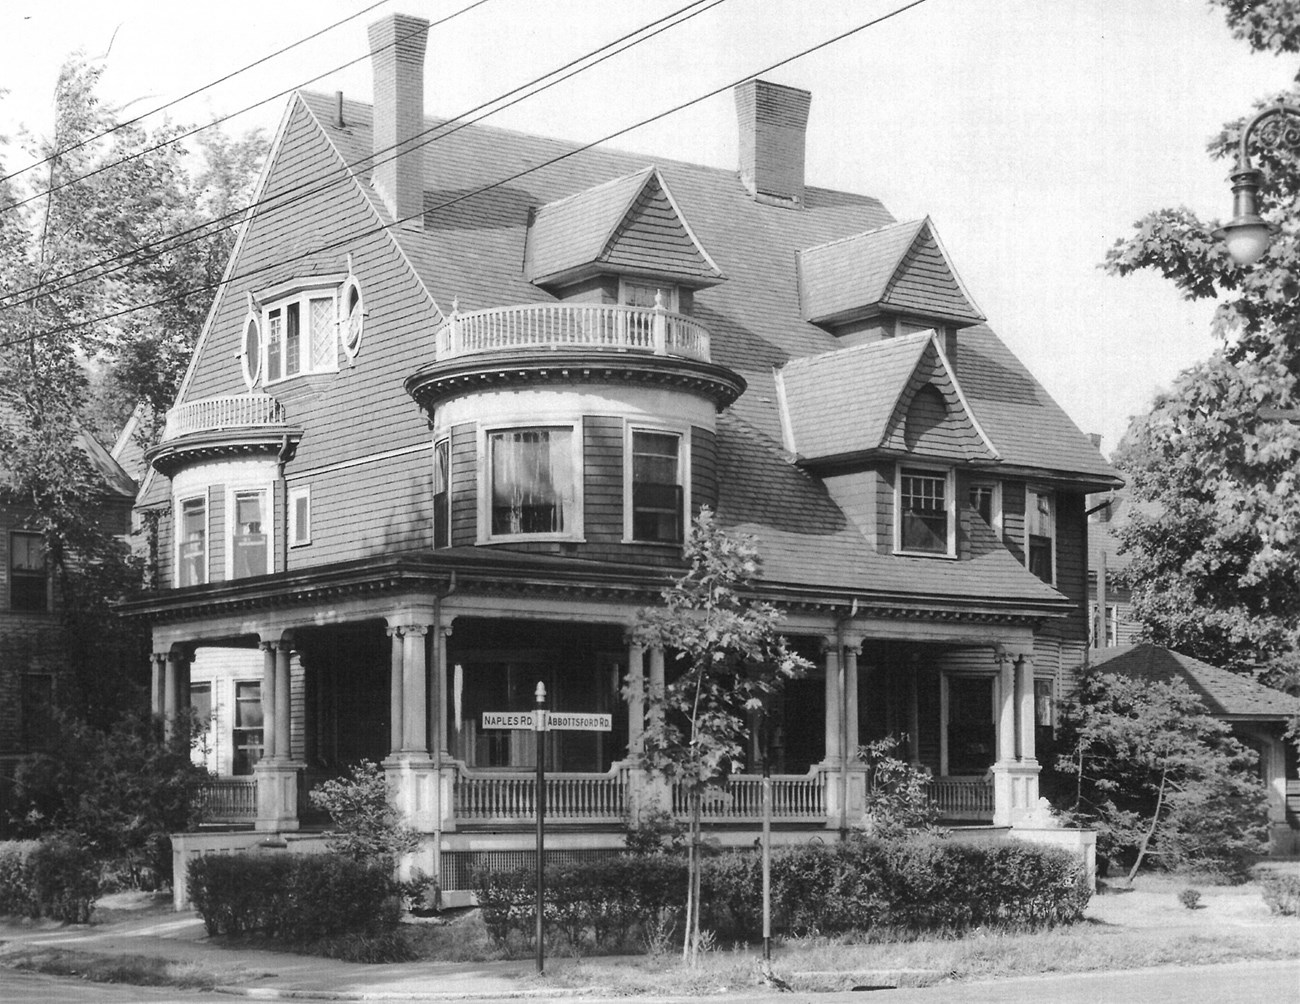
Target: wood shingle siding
point(384, 506)
point(217, 531)
point(704, 470)
point(602, 475)
point(464, 485)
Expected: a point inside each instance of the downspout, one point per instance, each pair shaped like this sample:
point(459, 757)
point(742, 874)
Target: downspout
point(439, 707)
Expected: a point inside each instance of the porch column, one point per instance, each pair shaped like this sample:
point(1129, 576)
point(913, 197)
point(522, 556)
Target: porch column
point(395, 683)
point(1015, 774)
point(656, 683)
point(276, 772)
point(655, 792)
point(176, 688)
point(635, 699)
point(834, 689)
point(415, 694)
point(1025, 707)
point(268, 700)
point(439, 702)
point(157, 683)
point(851, 742)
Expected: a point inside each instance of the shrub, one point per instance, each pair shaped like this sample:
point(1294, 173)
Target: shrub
point(897, 800)
point(1281, 892)
point(295, 898)
point(16, 895)
point(63, 877)
point(1190, 897)
point(367, 824)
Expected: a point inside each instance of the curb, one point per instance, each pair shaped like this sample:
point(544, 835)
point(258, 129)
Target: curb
point(275, 993)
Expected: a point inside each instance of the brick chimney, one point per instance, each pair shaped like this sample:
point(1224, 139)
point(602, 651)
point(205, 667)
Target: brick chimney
point(397, 45)
point(773, 123)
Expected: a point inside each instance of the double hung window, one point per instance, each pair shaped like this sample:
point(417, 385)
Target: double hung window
point(1040, 531)
point(301, 337)
point(656, 482)
point(442, 493)
point(248, 727)
point(534, 475)
point(925, 511)
point(192, 543)
point(249, 539)
point(28, 585)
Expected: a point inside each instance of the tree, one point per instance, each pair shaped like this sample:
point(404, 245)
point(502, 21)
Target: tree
point(897, 802)
point(728, 660)
point(1214, 566)
point(1156, 775)
point(55, 337)
point(368, 825)
point(119, 791)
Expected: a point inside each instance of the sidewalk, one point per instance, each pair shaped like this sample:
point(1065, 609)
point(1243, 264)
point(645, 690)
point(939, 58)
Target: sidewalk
point(262, 974)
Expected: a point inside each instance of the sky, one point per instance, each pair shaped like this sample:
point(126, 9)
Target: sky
point(1034, 134)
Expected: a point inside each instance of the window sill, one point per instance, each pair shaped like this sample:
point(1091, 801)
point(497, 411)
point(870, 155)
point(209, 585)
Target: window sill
point(945, 556)
point(516, 538)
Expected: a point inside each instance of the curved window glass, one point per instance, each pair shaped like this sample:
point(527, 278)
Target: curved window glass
point(252, 352)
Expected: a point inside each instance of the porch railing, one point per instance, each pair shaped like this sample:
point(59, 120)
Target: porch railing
point(228, 800)
point(512, 797)
point(796, 798)
point(962, 798)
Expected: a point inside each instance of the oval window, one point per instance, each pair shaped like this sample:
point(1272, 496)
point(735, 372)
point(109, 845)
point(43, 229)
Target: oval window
point(252, 352)
point(353, 319)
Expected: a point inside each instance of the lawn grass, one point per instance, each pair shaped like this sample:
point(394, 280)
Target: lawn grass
point(136, 970)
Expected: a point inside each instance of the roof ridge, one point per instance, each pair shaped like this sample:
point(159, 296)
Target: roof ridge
point(866, 233)
point(863, 348)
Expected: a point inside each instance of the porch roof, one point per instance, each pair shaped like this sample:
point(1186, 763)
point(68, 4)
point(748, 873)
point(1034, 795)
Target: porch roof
point(1224, 693)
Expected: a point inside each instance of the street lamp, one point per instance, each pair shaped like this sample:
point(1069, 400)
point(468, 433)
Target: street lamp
point(1246, 234)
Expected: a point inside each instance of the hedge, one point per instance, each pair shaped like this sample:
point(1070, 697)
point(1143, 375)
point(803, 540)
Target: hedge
point(295, 897)
point(918, 885)
point(1281, 891)
point(53, 878)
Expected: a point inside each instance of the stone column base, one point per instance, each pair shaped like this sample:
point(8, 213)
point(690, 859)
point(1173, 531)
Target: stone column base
point(277, 795)
point(845, 791)
point(1015, 791)
point(414, 782)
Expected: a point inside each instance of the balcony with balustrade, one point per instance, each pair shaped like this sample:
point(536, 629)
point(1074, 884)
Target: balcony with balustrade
point(230, 425)
point(564, 342)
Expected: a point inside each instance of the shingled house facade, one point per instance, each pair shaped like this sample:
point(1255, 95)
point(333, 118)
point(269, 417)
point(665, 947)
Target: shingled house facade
point(443, 434)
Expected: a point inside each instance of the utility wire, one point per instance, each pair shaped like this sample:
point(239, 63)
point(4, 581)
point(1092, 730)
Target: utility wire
point(225, 118)
point(351, 238)
point(184, 97)
point(282, 200)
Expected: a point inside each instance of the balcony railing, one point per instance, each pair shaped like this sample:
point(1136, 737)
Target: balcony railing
point(232, 411)
point(557, 326)
point(228, 800)
point(797, 798)
point(512, 797)
point(962, 798)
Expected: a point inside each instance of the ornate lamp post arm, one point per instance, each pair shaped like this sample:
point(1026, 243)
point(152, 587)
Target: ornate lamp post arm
point(1247, 235)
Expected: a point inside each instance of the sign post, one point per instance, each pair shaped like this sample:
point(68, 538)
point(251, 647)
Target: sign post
point(542, 721)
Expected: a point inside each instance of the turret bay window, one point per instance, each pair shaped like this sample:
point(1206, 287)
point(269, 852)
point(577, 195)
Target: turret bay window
point(250, 544)
point(655, 507)
point(1040, 529)
point(925, 521)
point(192, 543)
point(28, 583)
point(533, 487)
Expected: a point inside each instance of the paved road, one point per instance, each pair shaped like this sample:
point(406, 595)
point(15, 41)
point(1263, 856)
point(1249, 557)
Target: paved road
point(1238, 983)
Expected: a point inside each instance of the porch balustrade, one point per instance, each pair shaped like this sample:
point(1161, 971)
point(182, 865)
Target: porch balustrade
point(796, 798)
point(962, 799)
point(231, 411)
point(556, 326)
point(511, 797)
point(228, 800)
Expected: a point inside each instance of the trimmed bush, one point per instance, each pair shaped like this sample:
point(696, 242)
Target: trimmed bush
point(1281, 891)
point(64, 880)
point(295, 898)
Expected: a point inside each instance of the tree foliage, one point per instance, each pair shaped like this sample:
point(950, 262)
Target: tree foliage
point(1157, 775)
point(1214, 563)
point(897, 802)
point(728, 659)
point(119, 791)
point(67, 366)
point(367, 824)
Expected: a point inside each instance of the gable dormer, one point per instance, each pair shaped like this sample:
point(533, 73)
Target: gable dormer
point(885, 283)
point(624, 240)
point(893, 398)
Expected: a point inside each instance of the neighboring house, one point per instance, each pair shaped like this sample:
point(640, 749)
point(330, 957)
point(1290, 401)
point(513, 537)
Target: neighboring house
point(36, 674)
point(1110, 603)
point(447, 424)
point(1257, 714)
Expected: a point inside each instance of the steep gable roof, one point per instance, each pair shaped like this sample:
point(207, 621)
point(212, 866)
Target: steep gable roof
point(1225, 694)
point(902, 268)
point(630, 224)
point(857, 400)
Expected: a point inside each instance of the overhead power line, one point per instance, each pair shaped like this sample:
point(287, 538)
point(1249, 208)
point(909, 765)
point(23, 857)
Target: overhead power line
point(282, 200)
point(351, 238)
point(185, 97)
point(224, 118)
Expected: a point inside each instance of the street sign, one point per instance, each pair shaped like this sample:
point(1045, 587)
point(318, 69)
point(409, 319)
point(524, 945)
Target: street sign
point(573, 721)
